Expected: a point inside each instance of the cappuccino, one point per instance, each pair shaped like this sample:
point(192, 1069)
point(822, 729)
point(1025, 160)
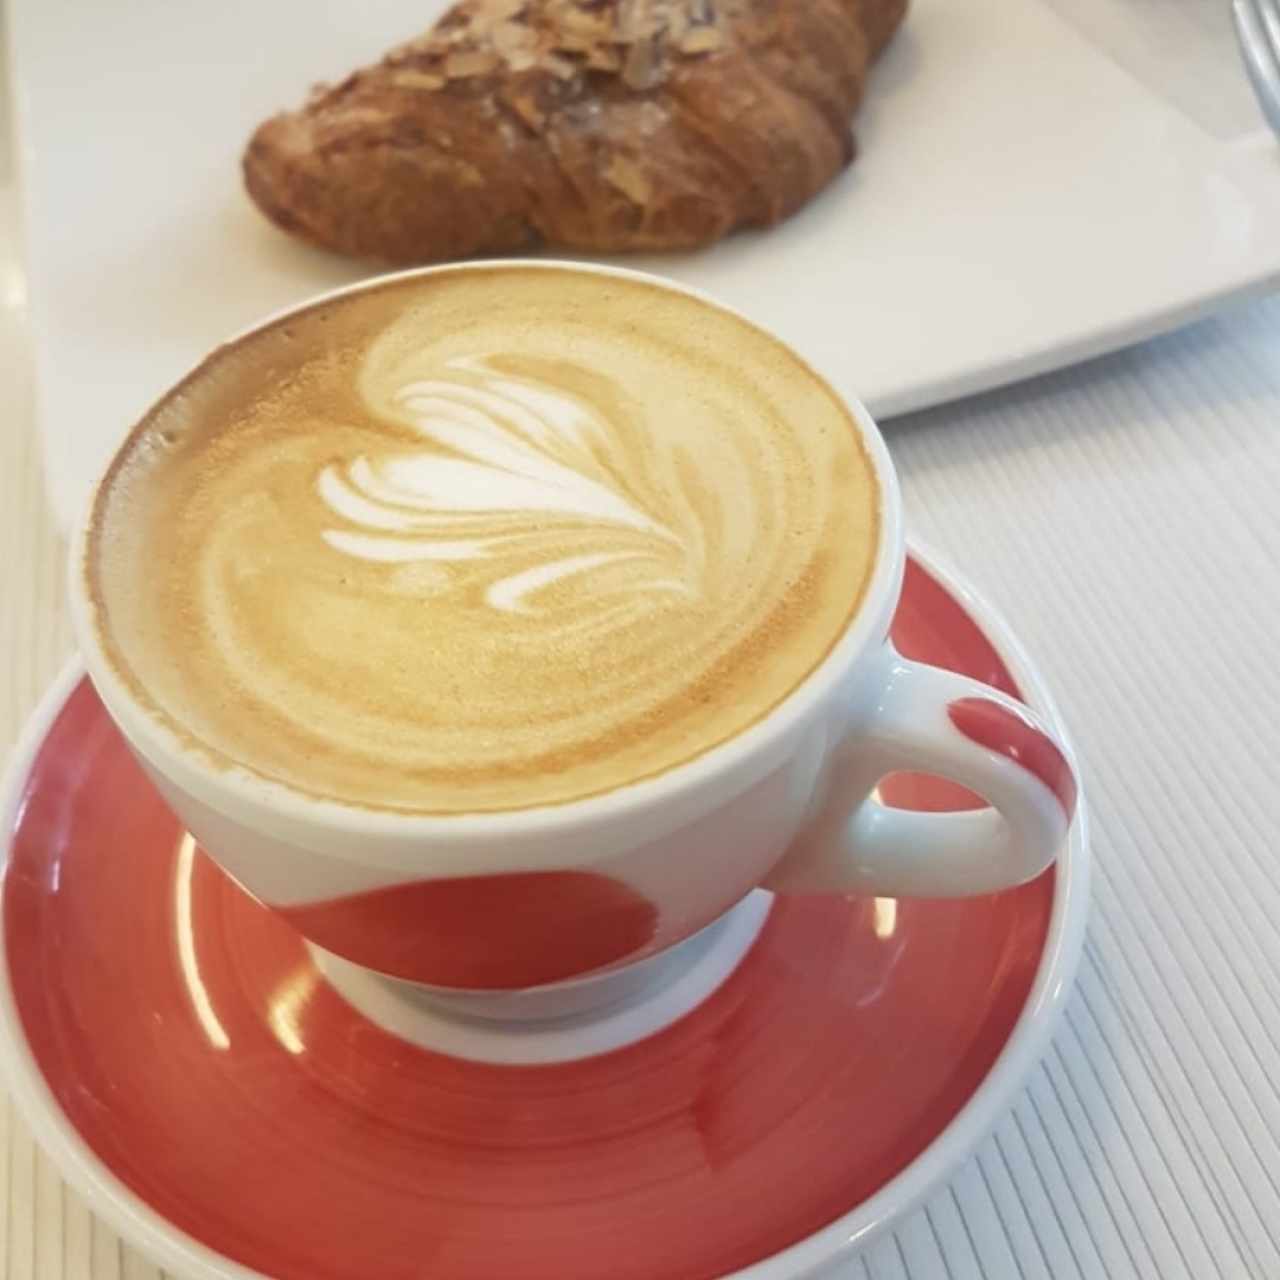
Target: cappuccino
point(482, 540)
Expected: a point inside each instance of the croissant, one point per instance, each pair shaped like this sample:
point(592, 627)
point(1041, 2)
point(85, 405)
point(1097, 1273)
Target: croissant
point(600, 125)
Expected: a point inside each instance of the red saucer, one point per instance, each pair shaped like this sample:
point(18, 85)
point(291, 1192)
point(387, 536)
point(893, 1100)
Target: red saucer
point(189, 1040)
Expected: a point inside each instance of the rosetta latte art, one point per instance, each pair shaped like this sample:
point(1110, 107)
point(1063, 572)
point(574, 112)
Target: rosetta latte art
point(487, 540)
point(519, 472)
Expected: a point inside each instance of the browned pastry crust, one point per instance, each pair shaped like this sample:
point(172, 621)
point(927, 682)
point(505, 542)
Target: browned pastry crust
point(588, 124)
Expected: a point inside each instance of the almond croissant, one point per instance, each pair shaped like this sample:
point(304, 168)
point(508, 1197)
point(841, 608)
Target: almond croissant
point(599, 125)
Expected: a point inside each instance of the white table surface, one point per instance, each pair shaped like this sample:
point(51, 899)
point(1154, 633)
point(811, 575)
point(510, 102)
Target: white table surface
point(1125, 515)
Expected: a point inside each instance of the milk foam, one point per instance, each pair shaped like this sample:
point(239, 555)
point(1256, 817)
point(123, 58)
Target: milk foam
point(485, 541)
point(504, 452)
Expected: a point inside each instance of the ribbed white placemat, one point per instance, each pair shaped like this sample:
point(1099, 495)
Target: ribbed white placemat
point(1125, 516)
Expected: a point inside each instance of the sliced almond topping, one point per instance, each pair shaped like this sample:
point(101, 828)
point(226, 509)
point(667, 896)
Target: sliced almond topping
point(591, 23)
point(604, 57)
point(629, 178)
point(516, 44)
point(576, 41)
point(562, 68)
point(638, 19)
point(701, 40)
point(527, 108)
point(515, 35)
point(635, 39)
point(642, 69)
point(417, 80)
point(470, 62)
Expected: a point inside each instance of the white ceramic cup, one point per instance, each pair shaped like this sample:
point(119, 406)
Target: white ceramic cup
point(521, 899)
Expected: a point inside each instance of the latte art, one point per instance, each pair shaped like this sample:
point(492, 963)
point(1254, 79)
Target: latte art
point(482, 540)
point(506, 457)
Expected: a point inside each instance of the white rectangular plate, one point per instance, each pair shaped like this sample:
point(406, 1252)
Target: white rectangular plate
point(1023, 198)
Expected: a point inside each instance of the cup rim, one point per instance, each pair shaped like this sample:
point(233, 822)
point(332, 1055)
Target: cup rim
point(224, 786)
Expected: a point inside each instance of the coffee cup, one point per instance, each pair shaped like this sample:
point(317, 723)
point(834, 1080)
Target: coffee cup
point(599, 468)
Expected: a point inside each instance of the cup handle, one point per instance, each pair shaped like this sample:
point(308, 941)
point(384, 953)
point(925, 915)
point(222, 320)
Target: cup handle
point(904, 715)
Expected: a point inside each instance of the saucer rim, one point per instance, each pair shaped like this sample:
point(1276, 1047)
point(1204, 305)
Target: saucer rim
point(174, 1249)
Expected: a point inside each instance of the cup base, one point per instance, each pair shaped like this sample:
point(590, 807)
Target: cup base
point(564, 1021)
